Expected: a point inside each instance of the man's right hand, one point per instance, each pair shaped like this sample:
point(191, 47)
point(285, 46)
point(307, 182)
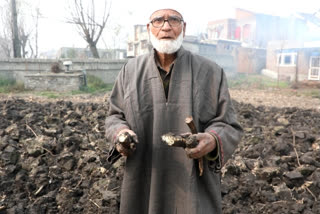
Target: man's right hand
point(126, 142)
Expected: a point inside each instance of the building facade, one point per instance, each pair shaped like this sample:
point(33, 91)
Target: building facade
point(138, 43)
point(257, 29)
point(222, 29)
point(293, 61)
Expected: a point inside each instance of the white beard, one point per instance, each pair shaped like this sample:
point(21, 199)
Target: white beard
point(167, 46)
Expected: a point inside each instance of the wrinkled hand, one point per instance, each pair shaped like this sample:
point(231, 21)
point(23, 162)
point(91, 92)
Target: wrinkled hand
point(207, 143)
point(121, 148)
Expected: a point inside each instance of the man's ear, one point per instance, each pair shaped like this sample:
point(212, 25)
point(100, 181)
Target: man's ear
point(184, 29)
point(148, 26)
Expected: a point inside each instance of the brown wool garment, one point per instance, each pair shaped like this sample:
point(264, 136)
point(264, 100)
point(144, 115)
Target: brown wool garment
point(160, 179)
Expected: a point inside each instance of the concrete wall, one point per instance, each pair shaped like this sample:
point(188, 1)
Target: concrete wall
point(283, 77)
point(54, 82)
point(17, 69)
point(223, 54)
point(251, 60)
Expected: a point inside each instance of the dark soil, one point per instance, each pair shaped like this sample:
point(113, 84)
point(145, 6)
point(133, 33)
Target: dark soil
point(276, 168)
point(53, 160)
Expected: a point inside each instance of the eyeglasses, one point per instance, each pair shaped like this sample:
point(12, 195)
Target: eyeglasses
point(173, 21)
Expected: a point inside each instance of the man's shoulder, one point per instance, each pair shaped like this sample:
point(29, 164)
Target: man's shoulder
point(138, 65)
point(139, 59)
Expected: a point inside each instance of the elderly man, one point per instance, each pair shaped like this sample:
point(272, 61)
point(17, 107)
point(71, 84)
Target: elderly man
point(152, 96)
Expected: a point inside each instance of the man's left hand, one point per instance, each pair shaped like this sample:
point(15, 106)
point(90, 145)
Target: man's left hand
point(207, 143)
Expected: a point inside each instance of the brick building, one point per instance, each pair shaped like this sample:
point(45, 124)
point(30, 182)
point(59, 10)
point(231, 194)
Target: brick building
point(138, 43)
point(293, 61)
point(256, 29)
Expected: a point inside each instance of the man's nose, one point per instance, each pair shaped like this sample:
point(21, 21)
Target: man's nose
point(166, 25)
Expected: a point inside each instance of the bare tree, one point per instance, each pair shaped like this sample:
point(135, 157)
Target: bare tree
point(19, 32)
point(5, 47)
point(85, 18)
point(15, 31)
point(316, 17)
point(28, 25)
point(5, 34)
point(116, 36)
point(29, 34)
point(24, 39)
point(38, 15)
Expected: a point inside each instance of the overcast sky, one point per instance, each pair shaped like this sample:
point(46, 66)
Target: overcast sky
point(55, 33)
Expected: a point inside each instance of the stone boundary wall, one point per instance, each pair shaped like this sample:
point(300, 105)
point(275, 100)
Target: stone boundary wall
point(17, 69)
point(288, 76)
point(54, 82)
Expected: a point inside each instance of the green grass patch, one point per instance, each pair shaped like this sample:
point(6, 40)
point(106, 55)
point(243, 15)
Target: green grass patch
point(256, 81)
point(94, 85)
point(10, 85)
point(50, 94)
point(314, 93)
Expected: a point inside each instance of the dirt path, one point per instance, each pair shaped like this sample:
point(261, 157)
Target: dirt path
point(275, 98)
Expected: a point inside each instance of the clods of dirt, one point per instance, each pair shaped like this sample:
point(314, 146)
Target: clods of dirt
point(53, 160)
point(276, 168)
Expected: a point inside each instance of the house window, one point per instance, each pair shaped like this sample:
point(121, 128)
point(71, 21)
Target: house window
point(144, 44)
point(144, 28)
point(246, 32)
point(130, 47)
point(287, 59)
point(314, 70)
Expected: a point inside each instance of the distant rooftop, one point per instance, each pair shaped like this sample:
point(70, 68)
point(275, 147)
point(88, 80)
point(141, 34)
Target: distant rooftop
point(313, 44)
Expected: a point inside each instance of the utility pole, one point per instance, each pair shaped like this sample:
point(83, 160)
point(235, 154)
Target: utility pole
point(297, 69)
point(15, 33)
point(37, 30)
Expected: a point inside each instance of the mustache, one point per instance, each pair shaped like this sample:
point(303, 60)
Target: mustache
point(167, 46)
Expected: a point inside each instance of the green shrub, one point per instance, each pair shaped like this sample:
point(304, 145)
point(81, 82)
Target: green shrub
point(95, 82)
point(6, 82)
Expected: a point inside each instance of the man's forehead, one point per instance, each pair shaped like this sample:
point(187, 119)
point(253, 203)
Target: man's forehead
point(164, 12)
